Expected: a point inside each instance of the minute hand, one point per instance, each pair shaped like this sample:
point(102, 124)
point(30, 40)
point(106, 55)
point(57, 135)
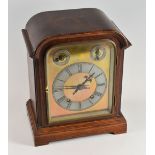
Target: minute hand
point(82, 84)
point(87, 79)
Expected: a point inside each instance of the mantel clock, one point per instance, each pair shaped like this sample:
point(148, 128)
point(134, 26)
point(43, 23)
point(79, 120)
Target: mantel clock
point(75, 63)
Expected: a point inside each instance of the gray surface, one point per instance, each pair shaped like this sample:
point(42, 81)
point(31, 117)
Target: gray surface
point(129, 15)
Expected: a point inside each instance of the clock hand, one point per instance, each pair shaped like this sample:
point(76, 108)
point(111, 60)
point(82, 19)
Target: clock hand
point(79, 89)
point(82, 84)
point(89, 78)
point(73, 87)
point(75, 90)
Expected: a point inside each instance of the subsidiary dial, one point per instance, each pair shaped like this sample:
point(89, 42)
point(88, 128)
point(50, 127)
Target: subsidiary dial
point(98, 53)
point(61, 57)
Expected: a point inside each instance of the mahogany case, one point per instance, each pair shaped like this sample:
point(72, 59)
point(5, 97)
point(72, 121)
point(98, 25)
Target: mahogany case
point(50, 28)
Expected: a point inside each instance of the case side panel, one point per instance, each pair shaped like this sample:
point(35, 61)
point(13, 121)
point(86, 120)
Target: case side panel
point(31, 81)
point(30, 62)
point(28, 43)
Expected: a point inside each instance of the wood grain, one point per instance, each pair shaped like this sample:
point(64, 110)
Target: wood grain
point(51, 28)
point(42, 136)
point(66, 22)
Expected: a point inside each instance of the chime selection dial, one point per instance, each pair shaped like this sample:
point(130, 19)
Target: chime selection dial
point(79, 86)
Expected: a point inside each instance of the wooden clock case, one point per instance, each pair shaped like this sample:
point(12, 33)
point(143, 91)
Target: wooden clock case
point(47, 29)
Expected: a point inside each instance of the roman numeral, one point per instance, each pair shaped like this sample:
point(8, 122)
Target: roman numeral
point(79, 68)
point(79, 105)
point(100, 84)
point(60, 80)
point(61, 99)
point(68, 71)
point(57, 90)
point(69, 104)
point(98, 93)
point(90, 101)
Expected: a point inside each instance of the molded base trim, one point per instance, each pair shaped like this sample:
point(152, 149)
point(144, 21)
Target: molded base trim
point(45, 135)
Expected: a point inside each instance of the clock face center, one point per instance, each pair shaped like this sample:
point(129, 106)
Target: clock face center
point(77, 90)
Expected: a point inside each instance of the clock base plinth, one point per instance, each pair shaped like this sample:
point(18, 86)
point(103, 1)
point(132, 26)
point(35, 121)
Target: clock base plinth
point(45, 135)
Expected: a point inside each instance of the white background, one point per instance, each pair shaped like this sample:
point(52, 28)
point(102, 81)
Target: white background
point(129, 16)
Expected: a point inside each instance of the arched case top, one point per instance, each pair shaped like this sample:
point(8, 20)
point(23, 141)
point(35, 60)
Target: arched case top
point(46, 25)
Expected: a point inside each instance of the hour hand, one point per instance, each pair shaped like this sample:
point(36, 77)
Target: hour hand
point(72, 87)
point(75, 91)
point(86, 77)
point(80, 87)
